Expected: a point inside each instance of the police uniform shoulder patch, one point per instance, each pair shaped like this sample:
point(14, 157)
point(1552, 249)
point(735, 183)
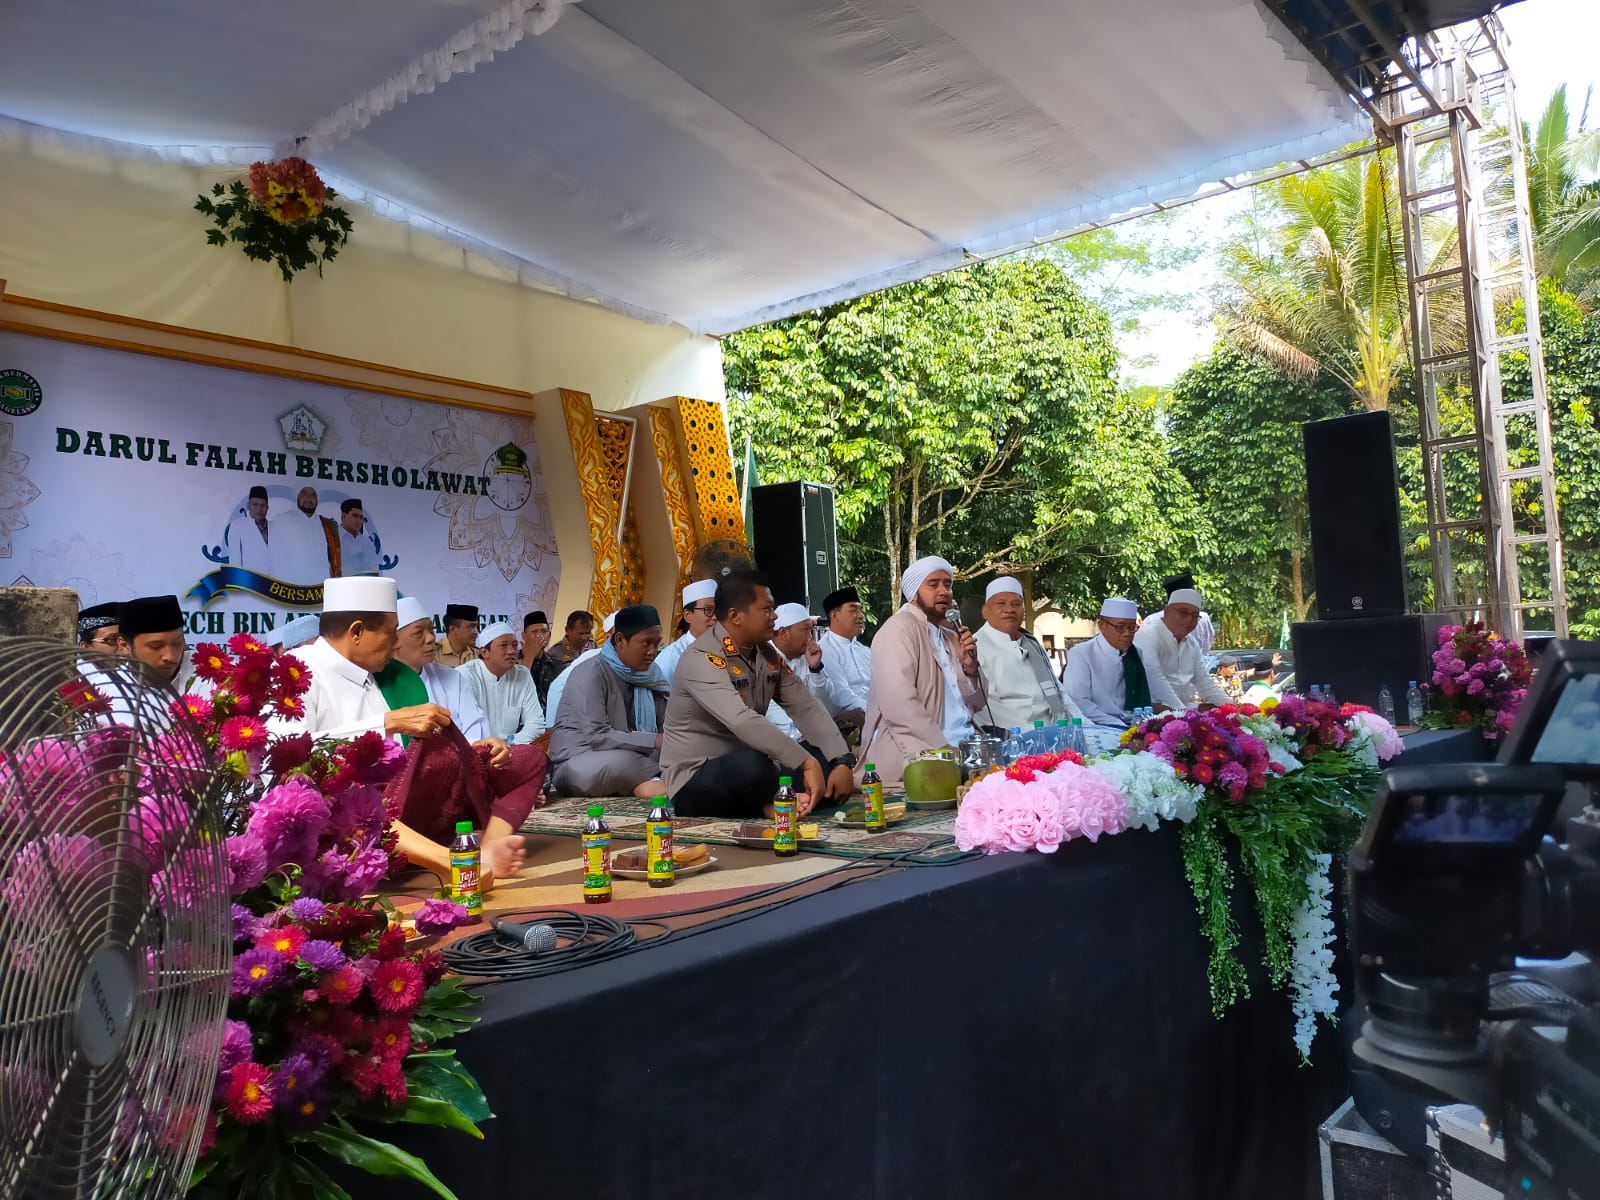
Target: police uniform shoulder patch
point(716, 660)
point(730, 646)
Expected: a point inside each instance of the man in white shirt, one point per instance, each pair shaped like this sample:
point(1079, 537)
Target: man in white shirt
point(302, 542)
point(1177, 670)
point(503, 687)
point(344, 701)
point(793, 639)
point(699, 615)
point(1017, 677)
point(248, 534)
point(1106, 676)
point(847, 657)
point(358, 553)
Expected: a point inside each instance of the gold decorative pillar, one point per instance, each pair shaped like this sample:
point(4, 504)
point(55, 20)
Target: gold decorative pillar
point(705, 443)
point(674, 488)
point(616, 448)
point(600, 502)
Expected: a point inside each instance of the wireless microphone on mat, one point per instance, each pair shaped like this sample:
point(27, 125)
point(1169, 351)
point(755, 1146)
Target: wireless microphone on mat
point(535, 939)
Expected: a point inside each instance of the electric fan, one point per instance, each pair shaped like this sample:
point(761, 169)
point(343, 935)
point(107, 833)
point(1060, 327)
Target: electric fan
point(115, 929)
point(721, 557)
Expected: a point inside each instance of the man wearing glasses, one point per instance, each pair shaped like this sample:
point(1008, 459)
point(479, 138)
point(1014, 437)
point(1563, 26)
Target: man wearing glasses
point(699, 615)
point(97, 629)
point(1105, 677)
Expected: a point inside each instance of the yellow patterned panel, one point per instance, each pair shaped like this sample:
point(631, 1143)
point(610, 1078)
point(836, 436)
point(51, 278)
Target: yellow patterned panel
point(599, 502)
point(685, 536)
point(633, 577)
point(705, 438)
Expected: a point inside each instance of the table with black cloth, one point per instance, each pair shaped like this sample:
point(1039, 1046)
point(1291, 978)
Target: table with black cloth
point(1016, 1026)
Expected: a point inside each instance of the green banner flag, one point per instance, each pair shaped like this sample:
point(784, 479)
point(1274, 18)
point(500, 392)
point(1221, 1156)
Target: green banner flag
point(751, 479)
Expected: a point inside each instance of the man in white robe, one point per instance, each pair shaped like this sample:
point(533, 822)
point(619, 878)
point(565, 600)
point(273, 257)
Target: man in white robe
point(793, 639)
point(848, 658)
point(503, 687)
point(699, 615)
point(1017, 676)
point(300, 550)
point(249, 535)
point(358, 553)
point(926, 686)
point(359, 631)
point(416, 645)
point(1177, 669)
point(1105, 676)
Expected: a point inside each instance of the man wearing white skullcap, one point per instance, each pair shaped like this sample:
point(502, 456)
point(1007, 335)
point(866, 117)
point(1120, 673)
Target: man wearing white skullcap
point(926, 684)
point(1106, 675)
point(699, 615)
point(359, 628)
point(1178, 675)
point(1017, 676)
point(296, 631)
point(793, 637)
point(503, 687)
point(417, 646)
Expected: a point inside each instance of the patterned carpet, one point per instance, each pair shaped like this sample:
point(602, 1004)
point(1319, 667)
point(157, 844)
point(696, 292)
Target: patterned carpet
point(923, 837)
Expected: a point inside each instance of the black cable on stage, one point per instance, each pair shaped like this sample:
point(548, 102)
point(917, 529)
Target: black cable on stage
point(593, 938)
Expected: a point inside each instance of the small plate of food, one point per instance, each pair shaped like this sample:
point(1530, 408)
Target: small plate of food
point(687, 859)
point(894, 811)
point(758, 835)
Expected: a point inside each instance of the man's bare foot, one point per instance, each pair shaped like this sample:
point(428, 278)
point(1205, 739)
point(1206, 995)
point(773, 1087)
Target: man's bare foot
point(503, 857)
point(650, 789)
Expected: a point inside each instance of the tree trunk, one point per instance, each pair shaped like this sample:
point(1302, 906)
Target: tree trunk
point(913, 515)
point(891, 535)
point(1025, 578)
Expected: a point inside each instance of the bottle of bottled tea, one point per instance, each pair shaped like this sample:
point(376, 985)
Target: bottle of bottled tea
point(786, 837)
point(660, 871)
point(466, 870)
point(596, 857)
point(872, 800)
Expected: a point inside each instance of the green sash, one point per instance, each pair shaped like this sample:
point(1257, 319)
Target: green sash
point(402, 688)
point(1135, 683)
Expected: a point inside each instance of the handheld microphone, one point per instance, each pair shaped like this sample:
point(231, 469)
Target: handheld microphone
point(952, 616)
point(535, 939)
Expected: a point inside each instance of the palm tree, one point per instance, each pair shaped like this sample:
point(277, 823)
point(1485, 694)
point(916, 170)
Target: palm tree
point(1564, 190)
point(1328, 292)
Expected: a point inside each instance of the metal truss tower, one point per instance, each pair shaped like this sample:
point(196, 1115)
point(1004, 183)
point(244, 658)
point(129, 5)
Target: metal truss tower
point(1447, 104)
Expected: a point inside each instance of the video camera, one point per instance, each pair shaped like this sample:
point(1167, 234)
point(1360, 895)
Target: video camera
point(1454, 886)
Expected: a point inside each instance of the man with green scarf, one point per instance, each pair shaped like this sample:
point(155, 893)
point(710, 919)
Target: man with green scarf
point(606, 740)
point(1105, 677)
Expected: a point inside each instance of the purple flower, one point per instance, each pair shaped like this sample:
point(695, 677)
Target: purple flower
point(307, 908)
point(235, 1045)
point(247, 863)
point(1176, 731)
point(321, 955)
point(357, 809)
point(365, 871)
point(289, 819)
point(1475, 688)
point(246, 925)
point(300, 1070)
point(50, 870)
point(256, 971)
point(440, 916)
point(157, 824)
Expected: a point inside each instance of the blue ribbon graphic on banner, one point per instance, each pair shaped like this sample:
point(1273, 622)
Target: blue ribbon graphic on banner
point(243, 579)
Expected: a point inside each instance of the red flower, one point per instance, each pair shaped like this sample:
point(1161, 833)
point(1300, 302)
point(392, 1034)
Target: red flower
point(391, 945)
point(190, 708)
point(434, 967)
point(82, 698)
point(211, 662)
point(290, 676)
point(252, 679)
point(247, 646)
point(249, 1093)
point(391, 1037)
point(244, 733)
point(292, 707)
point(364, 1073)
point(397, 985)
point(286, 940)
point(288, 753)
point(341, 987)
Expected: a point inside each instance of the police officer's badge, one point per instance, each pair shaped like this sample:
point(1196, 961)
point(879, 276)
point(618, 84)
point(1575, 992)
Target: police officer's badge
point(716, 660)
point(731, 647)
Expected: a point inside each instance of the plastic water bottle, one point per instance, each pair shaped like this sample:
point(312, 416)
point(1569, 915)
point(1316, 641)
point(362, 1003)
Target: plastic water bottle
point(1079, 743)
point(1327, 695)
point(1061, 736)
point(1316, 693)
point(1012, 749)
point(1038, 739)
point(1386, 704)
point(1414, 703)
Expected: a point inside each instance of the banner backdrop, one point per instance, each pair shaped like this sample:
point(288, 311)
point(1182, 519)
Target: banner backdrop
point(125, 474)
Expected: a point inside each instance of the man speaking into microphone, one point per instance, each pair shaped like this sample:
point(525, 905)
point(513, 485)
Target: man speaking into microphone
point(926, 685)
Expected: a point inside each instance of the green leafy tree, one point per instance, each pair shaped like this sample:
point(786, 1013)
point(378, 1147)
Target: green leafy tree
point(973, 414)
point(1235, 425)
point(1564, 195)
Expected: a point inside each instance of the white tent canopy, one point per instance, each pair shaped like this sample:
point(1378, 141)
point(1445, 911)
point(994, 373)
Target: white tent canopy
point(714, 163)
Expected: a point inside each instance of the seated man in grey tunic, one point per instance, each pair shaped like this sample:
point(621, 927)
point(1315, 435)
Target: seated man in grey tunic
point(607, 737)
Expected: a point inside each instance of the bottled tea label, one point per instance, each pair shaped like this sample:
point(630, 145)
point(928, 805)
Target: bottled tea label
point(785, 838)
point(597, 864)
point(872, 804)
point(658, 849)
point(466, 884)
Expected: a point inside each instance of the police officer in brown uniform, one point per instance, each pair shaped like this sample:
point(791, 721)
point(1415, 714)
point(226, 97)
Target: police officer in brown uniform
point(720, 756)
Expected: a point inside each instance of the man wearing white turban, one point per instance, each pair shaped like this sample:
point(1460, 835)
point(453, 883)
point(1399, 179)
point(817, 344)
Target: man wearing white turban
point(699, 615)
point(1178, 675)
point(1018, 680)
point(925, 679)
point(1106, 676)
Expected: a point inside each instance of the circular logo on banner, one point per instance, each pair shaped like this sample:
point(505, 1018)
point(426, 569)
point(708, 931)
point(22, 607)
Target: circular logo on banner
point(20, 392)
point(510, 481)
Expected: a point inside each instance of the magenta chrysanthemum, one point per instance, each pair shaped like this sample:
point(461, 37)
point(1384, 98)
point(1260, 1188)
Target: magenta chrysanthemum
point(289, 820)
point(249, 1093)
point(397, 986)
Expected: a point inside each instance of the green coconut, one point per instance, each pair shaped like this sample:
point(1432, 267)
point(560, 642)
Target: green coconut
point(931, 779)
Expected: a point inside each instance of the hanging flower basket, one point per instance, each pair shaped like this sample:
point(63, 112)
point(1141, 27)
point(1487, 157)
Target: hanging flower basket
point(282, 216)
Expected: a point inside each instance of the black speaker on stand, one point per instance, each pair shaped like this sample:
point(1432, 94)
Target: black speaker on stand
point(796, 541)
point(1364, 639)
